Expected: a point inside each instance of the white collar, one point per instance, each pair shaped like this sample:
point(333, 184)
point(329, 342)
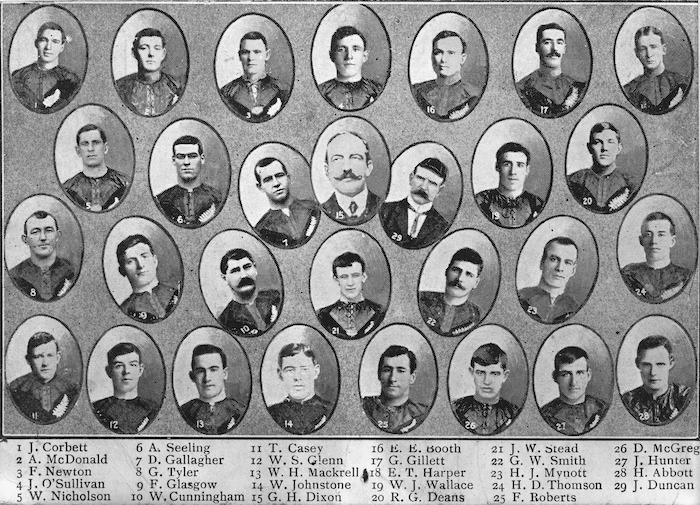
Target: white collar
point(360, 199)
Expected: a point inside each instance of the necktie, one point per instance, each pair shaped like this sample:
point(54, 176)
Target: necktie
point(353, 208)
point(414, 227)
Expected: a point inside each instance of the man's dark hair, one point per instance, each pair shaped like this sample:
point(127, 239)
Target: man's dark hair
point(512, 147)
point(560, 241)
point(235, 255)
point(567, 356)
point(435, 166)
point(397, 350)
point(264, 163)
point(346, 260)
point(127, 243)
point(468, 255)
point(50, 25)
point(449, 33)
point(88, 128)
point(290, 350)
point(489, 354)
point(368, 158)
point(39, 214)
point(146, 32)
point(341, 33)
point(39, 338)
point(601, 127)
point(660, 216)
point(252, 36)
point(208, 349)
point(652, 342)
point(189, 140)
point(121, 349)
point(549, 26)
point(648, 30)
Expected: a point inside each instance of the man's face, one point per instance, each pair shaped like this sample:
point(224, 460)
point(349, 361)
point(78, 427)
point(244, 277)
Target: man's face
point(42, 236)
point(151, 51)
point(254, 56)
point(395, 376)
point(650, 51)
point(347, 167)
point(125, 372)
point(559, 265)
point(551, 47)
point(461, 278)
point(425, 185)
point(43, 360)
point(274, 182)
point(572, 379)
point(49, 46)
point(209, 375)
point(141, 265)
point(488, 380)
point(654, 365)
point(448, 56)
point(349, 56)
point(657, 240)
point(299, 374)
point(350, 280)
point(513, 170)
point(91, 148)
point(605, 147)
point(241, 276)
point(188, 161)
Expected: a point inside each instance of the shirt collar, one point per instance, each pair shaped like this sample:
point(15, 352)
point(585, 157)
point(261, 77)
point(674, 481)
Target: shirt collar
point(418, 209)
point(149, 288)
point(360, 199)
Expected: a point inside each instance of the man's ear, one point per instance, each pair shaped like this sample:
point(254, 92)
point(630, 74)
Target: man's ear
point(108, 371)
point(370, 167)
point(106, 147)
point(506, 373)
point(413, 378)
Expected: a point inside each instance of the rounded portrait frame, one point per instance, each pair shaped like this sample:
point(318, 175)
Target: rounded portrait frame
point(567, 21)
point(574, 152)
point(681, 217)
point(154, 380)
point(68, 347)
point(336, 17)
point(255, 207)
point(161, 178)
point(110, 119)
point(238, 385)
point(440, 256)
point(321, 272)
point(64, 214)
point(398, 334)
point(399, 187)
point(588, 250)
point(470, 33)
point(168, 270)
point(492, 137)
point(173, 28)
point(649, 12)
point(601, 385)
point(683, 346)
point(268, 367)
point(277, 63)
point(516, 385)
point(267, 281)
point(73, 22)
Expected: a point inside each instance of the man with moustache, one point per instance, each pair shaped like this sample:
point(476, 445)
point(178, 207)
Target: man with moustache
point(447, 97)
point(658, 90)
point(348, 165)
point(255, 96)
point(413, 222)
point(251, 311)
point(349, 90)
point(44, 276)
point(509, 205)
point(657, 279)
point(485, 412)
point(190, 203)
point(97, 187)
point(451, 313)
point(605, 187)
point(291, 221)
point(302, 411)
point(575, 412)
point(548, 92)
point(352, 316)
point(45, 86)
point(151, 91)
point(150, 300)
point(393, 410)
point(547, 302)
point(213, 413)
point(125, 411)
point(43, 395)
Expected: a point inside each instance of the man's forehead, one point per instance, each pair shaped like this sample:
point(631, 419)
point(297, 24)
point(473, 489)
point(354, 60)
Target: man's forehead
point(346, 142)
point(465, 265)
point(270, 169)
point(90, 135)
point(239, 263)
point(185, 148)
point(150, 40)
point(579, 364)
point(654, 353)
point(451, 42)
point(51, 34)
point(401, 360)
point(127, 358)
point(137, 249)
point(516, 156)
point(552, 34)
point(566, 251)
point(351, 40)
point(606, 134)
point(354, 267)
point(298, 359)
point(649, 39)
point(495, 367)
point(40, 222)
point(209, 359)
point(428, 174)
point(657, 225)
point(250, 44)
point(46, 347)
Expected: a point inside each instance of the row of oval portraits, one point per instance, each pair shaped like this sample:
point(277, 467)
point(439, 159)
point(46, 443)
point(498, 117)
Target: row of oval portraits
point(351, 62)
point(398, 376)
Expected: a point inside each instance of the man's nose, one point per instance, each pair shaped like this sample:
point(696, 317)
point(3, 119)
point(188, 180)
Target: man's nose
point(139, 263)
